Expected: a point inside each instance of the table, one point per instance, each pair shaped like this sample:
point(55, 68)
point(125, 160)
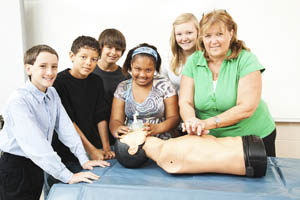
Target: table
point(150, 182)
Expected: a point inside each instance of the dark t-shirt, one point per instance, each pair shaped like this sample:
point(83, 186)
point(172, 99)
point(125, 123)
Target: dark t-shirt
point(85, 105)
point(110, 81)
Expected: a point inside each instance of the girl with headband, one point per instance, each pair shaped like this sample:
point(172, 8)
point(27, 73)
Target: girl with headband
point(153, 100)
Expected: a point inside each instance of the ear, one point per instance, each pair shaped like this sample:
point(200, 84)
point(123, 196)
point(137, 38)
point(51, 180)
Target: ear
point(28, 69)
point(231, 34)
point(72, 56)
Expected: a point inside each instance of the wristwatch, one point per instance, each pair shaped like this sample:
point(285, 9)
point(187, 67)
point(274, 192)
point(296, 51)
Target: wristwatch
point(218, 121)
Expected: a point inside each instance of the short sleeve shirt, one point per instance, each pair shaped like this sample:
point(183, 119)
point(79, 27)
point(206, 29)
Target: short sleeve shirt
point(152, 110)
point(209, 102)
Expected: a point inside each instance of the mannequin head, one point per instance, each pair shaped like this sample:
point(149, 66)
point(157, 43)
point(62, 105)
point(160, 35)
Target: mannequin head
point(129, 150)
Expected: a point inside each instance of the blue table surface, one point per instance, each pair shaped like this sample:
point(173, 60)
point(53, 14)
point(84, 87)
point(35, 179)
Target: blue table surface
point(282, 181)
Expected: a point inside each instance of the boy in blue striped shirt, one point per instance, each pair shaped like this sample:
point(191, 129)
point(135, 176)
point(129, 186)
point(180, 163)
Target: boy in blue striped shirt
point(31, 115)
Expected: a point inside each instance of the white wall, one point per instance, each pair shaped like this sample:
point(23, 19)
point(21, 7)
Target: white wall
point(11, 51)
point(269, 27)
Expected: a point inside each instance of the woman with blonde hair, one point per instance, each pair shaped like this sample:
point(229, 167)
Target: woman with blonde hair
point(184, 42)
point(221, 85)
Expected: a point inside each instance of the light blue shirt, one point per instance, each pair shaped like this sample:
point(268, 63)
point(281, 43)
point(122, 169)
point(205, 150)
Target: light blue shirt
point(30, 117)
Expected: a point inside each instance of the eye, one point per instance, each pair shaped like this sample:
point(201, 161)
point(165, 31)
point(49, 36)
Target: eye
point(178, 34)
point(148, 70)
point(207, 35)
point(137, 69)
point(42, 65)
point(83, 57)
point(219, 34)
point(94, 59)
point(54, 66)
point(118, 49)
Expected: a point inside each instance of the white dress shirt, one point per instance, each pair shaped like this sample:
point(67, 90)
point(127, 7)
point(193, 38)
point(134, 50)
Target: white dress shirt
point(30, 117)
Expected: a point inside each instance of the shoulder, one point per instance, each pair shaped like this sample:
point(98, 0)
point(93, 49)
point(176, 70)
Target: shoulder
point(62, 74)
point(163, 84)
point(62, 77)
point(197, 58)
point(246, 55)
point(124, 84)
point(51, 91)
point(20, 97)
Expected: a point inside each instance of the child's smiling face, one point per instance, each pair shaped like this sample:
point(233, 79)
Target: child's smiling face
point(44, 70)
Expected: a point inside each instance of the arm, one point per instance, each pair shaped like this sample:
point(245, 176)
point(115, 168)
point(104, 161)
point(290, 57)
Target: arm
point(102, 129)
point(248, 97)
point(171, 115)
point(191, 124)
point(186, 98)
point(94, 153)
point(117, 118)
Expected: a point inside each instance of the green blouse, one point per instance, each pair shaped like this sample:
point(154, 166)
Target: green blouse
point(209, 103)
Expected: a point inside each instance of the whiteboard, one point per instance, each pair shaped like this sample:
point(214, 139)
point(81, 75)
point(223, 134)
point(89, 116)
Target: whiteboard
point(270, 29)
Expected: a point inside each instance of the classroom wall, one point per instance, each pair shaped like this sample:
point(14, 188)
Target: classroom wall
point(58, 22)
point(11, 51)
point(288, 139)
point(269, 28)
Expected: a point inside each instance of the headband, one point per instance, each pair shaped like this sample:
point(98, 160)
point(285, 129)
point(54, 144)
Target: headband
point(146, 50)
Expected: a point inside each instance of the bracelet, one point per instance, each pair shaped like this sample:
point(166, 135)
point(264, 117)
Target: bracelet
point(218, 121)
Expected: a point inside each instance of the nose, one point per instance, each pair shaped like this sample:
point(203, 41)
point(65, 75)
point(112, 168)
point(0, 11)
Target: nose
point(113, 50)
point(142, 74)
point(214, 39)
point(50, 70)
point(89, 61)
point(184, 37)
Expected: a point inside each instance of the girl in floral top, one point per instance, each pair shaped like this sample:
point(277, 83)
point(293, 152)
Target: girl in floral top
point(153, 98)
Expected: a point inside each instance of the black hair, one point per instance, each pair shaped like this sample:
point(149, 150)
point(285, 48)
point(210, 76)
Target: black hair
point(128, 61)
point(85, 42)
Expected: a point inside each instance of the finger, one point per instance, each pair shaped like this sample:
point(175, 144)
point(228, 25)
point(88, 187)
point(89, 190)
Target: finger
point(92, 176)
point(102, 163)
point(83, 179)
point(89, 167)
point(188, 128)
point(183, 127)
point(199, 130)
point(113, 153)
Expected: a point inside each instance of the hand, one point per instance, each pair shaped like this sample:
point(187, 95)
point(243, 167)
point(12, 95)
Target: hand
point(97, 154)
point(150, 129)
point(194, 126)
point(94, 163)
point(109, 154)
point(121, 130)
point(83, 177)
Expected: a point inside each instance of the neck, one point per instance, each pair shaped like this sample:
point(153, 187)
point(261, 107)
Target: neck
point(108, 67)
point(152, 147)
point(216, 61)
point(76, 75)
point(188, 52)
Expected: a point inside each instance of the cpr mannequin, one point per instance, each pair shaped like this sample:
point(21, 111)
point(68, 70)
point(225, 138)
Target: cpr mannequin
point(194, 154)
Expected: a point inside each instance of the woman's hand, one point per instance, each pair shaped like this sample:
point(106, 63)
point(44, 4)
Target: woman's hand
point(194, 126)
point(121, 130)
